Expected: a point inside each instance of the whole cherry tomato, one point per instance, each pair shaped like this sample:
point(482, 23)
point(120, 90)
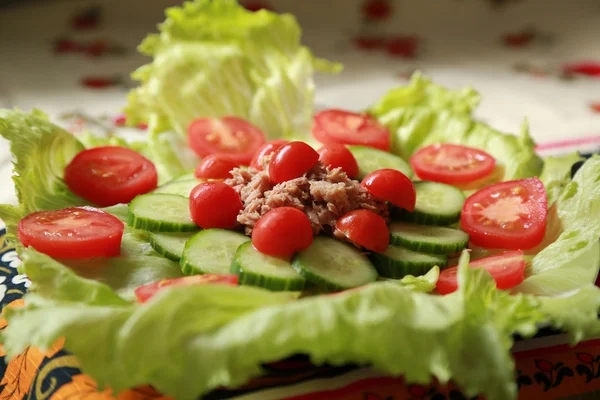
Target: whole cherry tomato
point(216, 166)
point(282, 232)
point(366, 229)
point(338, 156)
point(393, 186)
point(265, 150)
point(291, 161)
point(215, 205)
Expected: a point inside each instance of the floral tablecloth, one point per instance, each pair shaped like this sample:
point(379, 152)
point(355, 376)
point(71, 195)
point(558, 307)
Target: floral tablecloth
point(538, 59)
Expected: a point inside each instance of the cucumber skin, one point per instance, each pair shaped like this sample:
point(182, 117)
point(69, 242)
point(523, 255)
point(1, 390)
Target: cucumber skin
point(432, 248)
point(417, 217)
point(162, 251)
point(188, 268)
point(389, 268)
point(321, 283)
point(154, 226)
point(274, 284)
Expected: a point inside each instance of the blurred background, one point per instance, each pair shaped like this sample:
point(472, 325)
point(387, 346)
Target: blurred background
point(538, 59)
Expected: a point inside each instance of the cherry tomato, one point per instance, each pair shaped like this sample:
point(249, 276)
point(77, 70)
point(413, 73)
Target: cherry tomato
point(338, 156)
point(291, 161)
point(452, 163)
point(345, 127)
point(215, 166)
point(144, 293)
point(507, 269)
point(215, 205)
point(230, 135)
point(393, 186)
point(507, 215)
point(366, 229)
point(265, 150)
point(282, 232)
point(78, 232)
point(110, 175)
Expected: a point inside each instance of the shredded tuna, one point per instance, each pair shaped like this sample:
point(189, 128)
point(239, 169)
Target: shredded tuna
point(323, 194)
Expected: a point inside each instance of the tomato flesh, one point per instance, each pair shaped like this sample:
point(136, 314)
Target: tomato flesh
point(507, 269)
point(229, 135)
point(144, 293)
point(110, 175)
point(345, 127)
point(215, 205)
point(452, 163)
point(393, 186)
point(78, 232)
point(338, 156)
point(265, 150)
point(366, 229)
point(291, 161)
point(215, 166)
point(282, 232)
point(507, 215)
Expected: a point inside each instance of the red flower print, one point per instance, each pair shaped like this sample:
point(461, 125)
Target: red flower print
point(87, 19)
point(518, 39)
point(417, 390)
point(585, 358)
point(369, 43)
point(588, 68)
point(376, 10)
point(544, 365)
point(595, 106)
point(403, 46)
point(100, 82)
point(65, 45)
point(120, 120)
point(257, 5)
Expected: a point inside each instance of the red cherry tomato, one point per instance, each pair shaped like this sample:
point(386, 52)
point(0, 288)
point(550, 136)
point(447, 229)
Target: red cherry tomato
point(282, 232)
point(265, 150)
point(215, 166)
point(144, 293)
point(291, 161)
point(345, 127)
point(230, 135)
point(366, 229)
point(393, 186)
point(507, 269)
point(338, 156)
point(110, 175)
point(507, 215)
point(215, 205)
point(452, 163)
point(78, 232)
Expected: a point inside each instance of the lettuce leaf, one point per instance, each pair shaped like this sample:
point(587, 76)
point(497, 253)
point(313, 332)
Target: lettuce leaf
point(556, 174)
point(423, 113)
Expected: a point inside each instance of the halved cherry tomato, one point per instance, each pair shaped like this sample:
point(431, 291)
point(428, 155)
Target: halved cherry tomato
point(215, 205)
point(366, 229)
point(230, 135)
point(265, 150)
point(451, 163)
point(144, 293)
point(393, 186)
point(215, 166)
point(282, 232)
point(345, 127)
point(338, 156)
point(508, 215)
point(291, 161)
point(110, 175)
point(507, 269)
point(78, 232)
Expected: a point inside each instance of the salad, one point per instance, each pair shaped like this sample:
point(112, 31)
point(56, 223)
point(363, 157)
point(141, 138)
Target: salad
point(247, 228)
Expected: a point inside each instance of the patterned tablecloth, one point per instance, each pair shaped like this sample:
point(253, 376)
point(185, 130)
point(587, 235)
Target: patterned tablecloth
point(538, 59)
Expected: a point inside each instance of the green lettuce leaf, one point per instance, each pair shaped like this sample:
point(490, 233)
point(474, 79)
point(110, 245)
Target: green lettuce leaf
point(423, 283)
point(41, 151)
point(465, 336)
point(556, 174)
point(423, 113)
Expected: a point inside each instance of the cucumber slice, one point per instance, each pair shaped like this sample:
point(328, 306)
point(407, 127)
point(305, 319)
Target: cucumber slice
point(182, 188)
point(170, 245)
point(211, 251)
point(334, 265)
point(397, 262)
point(437, 204)
point(428, 239)
point(257, 269)
point(370, 159)
point(161, 212)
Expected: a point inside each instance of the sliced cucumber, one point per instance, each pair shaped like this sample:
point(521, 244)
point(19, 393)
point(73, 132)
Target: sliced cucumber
point(428, 239)
point(397, 262)
point(170, 245)
point(334, 265)
point(370, 159)
point(257, 269)
point(161, 212)
point(211, 251)
point(182, 188)
point(437, 204)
